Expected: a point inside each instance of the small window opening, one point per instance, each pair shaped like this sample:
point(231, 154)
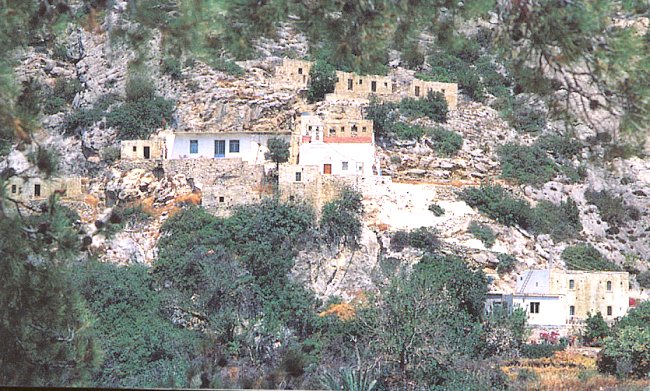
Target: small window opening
point(298, 176)
point(350, 86)
point(572, 310)
point(300, 71)
point(572, 284)
point(37, 190)
point(363, 129)
point(135, 149)
point(13, 189)
point(292, 198)
point(222, 199)
point(534, 307)
point(609, 285)
point(360, 81)
point(417, 91)
point(344, 166)
point(609, 310)
point(373, 86)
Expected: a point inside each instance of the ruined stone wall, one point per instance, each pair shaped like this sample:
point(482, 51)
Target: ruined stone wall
point(356, 86)
point(135, 149)
point(224, 183)
point(312, 187)
point(348, 128)
point(293, 73)
point(36, 189)
point(589, 293)
point(420, 88)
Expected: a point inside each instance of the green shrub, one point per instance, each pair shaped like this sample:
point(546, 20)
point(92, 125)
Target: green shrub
point(526, 164)
point(586, 257)
point(643, 279)
point(497, 203)
point(436, 209)
point(526, 117)
point(64, 91)
point(482, 232)
point(595, 329)
point(172, 67)
point(560, 147)
point(424, 238)
point(76, 121)
point(445, 142)
point(341, 219)
point(111, 154)
point(560, 221)
point(404, 131)
point(294, 362)
point(433, 106)
point(611, 208)
point(626, 353)
point(412, 57)
point(383, 115)
point(46, 159)
point(322, 79)
point(540, 350)
point(507, 263)
point(138, 119)
point(139, 85)
point(227, 66)
point(399, 240)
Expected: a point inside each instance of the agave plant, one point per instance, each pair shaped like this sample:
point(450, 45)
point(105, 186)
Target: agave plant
point(349, 379)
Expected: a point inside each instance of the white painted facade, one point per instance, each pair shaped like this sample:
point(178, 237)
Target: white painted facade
point(342, 158)
point(251, 146)
point(542, 310)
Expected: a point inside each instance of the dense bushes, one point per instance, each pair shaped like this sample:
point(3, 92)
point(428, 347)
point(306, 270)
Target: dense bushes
point(436, 209)
point(526, 164)
point(322, 79)
point(595, 329)
point(611, 208)
point(226, 66)
point(507, 263)
point(625, 352)
point(540, 350)
point(423, 238)
point(643, 279)
point(140, 114)
point(64, 91)
point(445, 142)
point(586, 257)
point(482, 232)
point(433, 106)
point(340, 222)
point(560, 221)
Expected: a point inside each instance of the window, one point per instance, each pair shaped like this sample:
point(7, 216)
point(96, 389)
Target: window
point(13, 189)
point(298, 176)
point(385, 84)
point(534, 307)
point(222, 199)
point(609, 310)
point(360, 81)
point(350, 84)
point(572, 310)
point(609, 285)
point(394, 87)
point(373, 86)
point(344, 166)
point(355, 129)
point(342, 129)
point(292, 198)
point(300, 71)
point(363, 129)
point(417, 91)
point(194, 146)
point(135, 149)
point(219, 148)
point(233, 146)
point(572, 284)
point(37, 190)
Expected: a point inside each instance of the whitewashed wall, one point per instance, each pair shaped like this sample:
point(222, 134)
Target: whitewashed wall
point(252, 147)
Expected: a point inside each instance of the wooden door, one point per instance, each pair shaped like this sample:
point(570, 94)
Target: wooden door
point(327, 169)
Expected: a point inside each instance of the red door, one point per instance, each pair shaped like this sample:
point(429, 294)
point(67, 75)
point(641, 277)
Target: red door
point(327, 169)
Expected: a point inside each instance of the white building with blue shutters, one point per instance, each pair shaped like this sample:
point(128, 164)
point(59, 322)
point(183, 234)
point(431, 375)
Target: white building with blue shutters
point(250, 147)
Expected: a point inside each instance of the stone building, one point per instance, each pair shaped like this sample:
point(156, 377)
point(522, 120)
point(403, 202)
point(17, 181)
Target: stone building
point(224, 183)
point(292, 74)
point(563, 298)
point(36, 188)
point(153, 149)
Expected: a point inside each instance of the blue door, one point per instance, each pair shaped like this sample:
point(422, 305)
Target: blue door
point(219, 148)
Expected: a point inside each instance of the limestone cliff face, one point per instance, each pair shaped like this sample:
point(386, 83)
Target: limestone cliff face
point(210, 101)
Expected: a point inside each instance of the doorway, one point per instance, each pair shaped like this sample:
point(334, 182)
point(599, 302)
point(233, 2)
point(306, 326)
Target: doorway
point(219, 148)
point(327, 169)
point(147, 152)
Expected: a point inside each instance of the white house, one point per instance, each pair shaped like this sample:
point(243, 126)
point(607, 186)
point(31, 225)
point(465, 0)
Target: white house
point(250, 147)
point(559, 298)
point(337, 147)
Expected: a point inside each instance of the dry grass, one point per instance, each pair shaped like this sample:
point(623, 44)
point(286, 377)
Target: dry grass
point(567, 370)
